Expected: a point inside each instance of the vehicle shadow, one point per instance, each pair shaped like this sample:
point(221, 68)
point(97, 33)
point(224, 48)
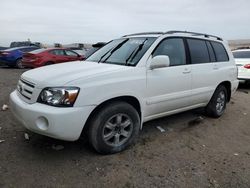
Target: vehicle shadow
point(50, 147)
point(243, 87)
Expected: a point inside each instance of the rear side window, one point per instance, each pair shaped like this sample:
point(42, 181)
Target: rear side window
point(211, 52)
point(70, 53)
point(220, 52)
point(174, 48)
point(57, 52)
point(198, 51)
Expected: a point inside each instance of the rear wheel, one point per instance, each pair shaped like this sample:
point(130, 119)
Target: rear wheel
point(217, 104)
point(114, 127)
point(19, 64)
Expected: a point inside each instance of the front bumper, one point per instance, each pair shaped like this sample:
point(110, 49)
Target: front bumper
point(59, 123)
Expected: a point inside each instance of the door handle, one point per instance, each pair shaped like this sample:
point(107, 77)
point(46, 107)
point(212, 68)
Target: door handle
point(215, 67)
point(186, 71)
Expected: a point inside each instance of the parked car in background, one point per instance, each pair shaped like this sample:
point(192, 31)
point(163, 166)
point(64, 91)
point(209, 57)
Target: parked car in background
point(94, 48)
point(3, 48)
point(49, 56)
point(80, 51)
point(129, 81)
point(24, 43)
point(12, 57)
point(242, 60)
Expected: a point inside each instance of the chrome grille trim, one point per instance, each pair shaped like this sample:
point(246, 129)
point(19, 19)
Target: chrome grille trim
point(25, 88)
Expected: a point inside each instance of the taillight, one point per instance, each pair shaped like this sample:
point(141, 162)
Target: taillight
point(247, 66)
point(5, 53)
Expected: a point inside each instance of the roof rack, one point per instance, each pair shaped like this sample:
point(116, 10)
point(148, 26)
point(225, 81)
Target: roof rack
point(145, 33)
point(194, 33)
point(173, 32)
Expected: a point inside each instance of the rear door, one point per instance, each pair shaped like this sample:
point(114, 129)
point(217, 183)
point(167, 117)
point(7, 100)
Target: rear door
point(207, 72)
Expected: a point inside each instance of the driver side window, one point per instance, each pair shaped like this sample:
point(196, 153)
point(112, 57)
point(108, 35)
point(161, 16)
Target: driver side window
point(174, 48)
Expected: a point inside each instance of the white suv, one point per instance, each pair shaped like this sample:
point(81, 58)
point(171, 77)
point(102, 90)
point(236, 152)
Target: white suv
point(127, 82)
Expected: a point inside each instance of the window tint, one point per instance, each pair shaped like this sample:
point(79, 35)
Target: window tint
point(70, 53)
point(198, 51)
point(57, 52)
point(174, 48)
point(241, 54)
point(220, 52)
point(211, 52)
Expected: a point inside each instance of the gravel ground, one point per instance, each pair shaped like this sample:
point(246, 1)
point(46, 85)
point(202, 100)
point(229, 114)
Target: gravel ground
point(191, 153)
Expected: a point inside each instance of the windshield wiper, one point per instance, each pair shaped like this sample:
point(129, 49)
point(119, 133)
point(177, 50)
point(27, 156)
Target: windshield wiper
point(111, 51)
point(135, 52)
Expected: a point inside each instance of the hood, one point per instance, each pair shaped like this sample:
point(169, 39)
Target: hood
point(60, 74)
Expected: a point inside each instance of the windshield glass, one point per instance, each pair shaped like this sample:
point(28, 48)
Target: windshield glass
point(124, 51)
point(242, 54)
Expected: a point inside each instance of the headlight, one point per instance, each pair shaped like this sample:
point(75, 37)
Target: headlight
point(59, 96)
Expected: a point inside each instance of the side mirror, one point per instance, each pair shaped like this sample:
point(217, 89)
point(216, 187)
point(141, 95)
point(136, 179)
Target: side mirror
point(159, 61)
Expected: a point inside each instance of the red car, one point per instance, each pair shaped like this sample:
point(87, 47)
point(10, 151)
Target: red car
point(41, 57)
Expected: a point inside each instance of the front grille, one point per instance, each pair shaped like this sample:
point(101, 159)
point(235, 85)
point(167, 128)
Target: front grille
point(25, 88)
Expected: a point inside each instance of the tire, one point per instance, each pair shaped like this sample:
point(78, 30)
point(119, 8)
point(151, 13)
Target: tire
point(113, 128)
point(19, 64)
point(217, 105)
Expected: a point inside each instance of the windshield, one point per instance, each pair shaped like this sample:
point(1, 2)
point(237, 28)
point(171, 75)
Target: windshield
point(242, 54)
point(124, 51)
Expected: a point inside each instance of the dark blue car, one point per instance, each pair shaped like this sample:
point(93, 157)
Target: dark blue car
point(12, 57)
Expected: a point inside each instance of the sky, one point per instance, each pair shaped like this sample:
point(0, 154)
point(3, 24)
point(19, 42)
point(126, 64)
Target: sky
point(90, 21)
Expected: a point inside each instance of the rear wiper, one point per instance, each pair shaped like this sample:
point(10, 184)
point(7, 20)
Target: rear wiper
point(135, 52)
point(111, 51)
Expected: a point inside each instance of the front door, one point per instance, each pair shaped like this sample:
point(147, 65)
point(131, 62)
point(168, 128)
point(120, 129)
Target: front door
point(169, 88)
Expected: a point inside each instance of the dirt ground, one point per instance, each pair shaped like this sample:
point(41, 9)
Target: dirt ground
point(191, 153)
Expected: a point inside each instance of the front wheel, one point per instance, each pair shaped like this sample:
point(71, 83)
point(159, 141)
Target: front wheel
point(218, 102)
point(114, 127)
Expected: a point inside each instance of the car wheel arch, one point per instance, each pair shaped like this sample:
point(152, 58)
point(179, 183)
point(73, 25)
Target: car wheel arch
point(228, 86)
point(129, 99)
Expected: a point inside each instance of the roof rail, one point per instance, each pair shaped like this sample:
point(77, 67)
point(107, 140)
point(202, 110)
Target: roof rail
point(145, 33)
point(194, 33)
